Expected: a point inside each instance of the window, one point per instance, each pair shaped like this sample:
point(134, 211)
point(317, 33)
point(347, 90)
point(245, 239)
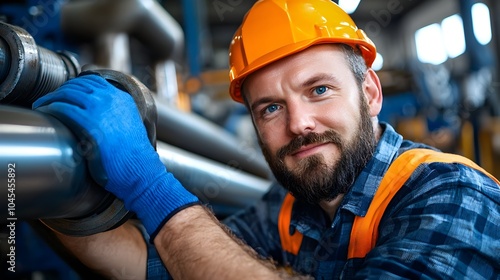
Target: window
point(481, 23)
point(453, 35)
point(439, 41)
point(430, 47)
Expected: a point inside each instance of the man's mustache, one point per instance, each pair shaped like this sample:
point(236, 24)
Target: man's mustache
point(296, 143)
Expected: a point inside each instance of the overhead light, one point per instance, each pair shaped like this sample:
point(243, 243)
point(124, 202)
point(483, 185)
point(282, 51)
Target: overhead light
point(481, 23)
point(349, 6)
point(452, 30)
point(430, 46)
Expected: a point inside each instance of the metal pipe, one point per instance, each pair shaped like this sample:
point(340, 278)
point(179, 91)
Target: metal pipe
point(200, 136)
point(28, 71)
point(48, 170)
point(146, 20)
point(52, 182)
point(226, 189)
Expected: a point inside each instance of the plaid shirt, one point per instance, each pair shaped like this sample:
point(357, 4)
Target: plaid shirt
point(443, 223)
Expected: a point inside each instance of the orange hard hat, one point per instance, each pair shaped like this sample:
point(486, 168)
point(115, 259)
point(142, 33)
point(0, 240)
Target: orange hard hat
point(273, 29)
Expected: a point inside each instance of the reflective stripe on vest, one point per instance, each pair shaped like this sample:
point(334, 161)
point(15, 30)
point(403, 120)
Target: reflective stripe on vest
point(364, 231)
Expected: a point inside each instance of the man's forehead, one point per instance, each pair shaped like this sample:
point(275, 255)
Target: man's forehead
point(320, 50)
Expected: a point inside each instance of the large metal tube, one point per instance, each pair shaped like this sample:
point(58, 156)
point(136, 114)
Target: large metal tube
point(52, 181)
point(45, 152)
point(49, 172)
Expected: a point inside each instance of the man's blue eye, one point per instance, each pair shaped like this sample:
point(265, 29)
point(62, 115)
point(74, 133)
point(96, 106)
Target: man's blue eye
point(320, 90)
point(272, 108)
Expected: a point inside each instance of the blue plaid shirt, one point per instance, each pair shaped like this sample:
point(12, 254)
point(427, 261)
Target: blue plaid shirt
point(443, 223)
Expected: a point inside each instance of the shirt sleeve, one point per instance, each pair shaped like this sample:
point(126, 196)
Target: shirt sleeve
point(155, 269)
point(257, 225)
point(443, 224)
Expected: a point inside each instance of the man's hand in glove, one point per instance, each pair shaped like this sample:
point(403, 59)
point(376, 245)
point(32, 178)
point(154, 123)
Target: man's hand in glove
point(122, 158)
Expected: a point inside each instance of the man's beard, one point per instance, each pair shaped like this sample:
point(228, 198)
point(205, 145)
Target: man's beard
point(312, 180)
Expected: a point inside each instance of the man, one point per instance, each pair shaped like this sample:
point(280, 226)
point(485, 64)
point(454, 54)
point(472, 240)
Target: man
point(303, 70)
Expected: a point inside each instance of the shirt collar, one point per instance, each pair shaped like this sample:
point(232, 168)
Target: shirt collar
point(365, 186)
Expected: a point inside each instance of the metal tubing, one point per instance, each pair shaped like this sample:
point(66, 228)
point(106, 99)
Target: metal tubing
point(226, 189)
point(52, 182)
point(146, 20)
point(50, 175)
point(27, 70)
point(200, 136)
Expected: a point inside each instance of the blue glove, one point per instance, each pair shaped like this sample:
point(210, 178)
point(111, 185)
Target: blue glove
point(121, 157)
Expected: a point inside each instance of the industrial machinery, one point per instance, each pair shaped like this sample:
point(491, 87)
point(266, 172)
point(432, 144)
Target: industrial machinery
point(52, 181)
point(49, 162)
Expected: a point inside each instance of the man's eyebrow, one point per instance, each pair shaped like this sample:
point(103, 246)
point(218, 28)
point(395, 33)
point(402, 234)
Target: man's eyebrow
point(260, 101)
point(320, 77)
point(308, 83)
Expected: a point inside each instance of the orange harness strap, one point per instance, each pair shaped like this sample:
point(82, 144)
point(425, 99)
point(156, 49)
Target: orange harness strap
point(289, 243)
point(365, 229)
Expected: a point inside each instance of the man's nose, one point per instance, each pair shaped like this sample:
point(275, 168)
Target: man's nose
point(300, 118)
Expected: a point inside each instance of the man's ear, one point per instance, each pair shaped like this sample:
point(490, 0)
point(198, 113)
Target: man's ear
point(373, 92)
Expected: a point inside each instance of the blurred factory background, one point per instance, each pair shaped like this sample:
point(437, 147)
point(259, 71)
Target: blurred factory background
point(437, 60)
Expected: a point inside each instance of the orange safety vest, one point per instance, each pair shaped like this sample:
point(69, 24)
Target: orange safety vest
point(364, 231)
